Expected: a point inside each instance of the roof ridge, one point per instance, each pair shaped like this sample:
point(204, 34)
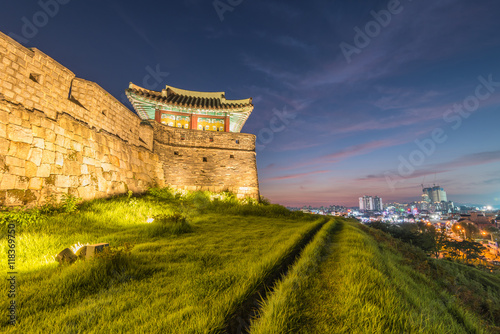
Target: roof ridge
point(169, 91)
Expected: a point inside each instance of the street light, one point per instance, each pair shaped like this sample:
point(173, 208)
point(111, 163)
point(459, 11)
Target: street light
point(484, 233)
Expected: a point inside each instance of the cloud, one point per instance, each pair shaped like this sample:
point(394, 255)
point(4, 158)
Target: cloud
point(472, 159)
point(294, 176)
point(357, 150)
point(492, 181)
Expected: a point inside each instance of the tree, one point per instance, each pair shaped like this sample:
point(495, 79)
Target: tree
point(493, 231)
point(472, 250)
point(441, 241)
point(465, 249)
point(466, 228)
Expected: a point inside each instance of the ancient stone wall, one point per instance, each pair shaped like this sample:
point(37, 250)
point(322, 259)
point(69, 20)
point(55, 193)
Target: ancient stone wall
point(36, 81)
point(64, 135)
point(205, 160)
point(60, 134)
point(40, 157)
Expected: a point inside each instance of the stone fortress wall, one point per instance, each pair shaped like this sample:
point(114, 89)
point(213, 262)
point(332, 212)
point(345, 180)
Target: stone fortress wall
point(206, 160)
point(64, 135)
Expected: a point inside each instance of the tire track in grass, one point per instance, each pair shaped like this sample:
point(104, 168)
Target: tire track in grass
point(239, 321)
point(361, 286)
point(279, 312)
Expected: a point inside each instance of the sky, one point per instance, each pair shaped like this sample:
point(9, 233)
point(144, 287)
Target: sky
point(351, 98)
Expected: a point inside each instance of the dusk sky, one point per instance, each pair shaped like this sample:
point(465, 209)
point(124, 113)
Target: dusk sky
point(351, 99)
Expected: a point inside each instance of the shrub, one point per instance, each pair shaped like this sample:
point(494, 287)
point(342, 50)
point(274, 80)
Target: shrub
point(172, 224)
point(164, 194)
point(70, 203)
point(22, 218)
point(264, 201)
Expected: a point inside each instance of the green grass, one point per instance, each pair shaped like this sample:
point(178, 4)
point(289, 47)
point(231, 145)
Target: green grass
point(362, 286)
point(185, 275)
point(279, 313)
point(204, 258)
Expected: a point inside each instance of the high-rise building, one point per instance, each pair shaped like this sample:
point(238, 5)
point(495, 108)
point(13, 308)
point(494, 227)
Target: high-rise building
point(436, 194)
point(377, 204)
point(365, 203)
point(370, 203)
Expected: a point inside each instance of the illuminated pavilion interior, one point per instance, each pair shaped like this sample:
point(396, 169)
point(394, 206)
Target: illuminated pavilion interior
point(190, 109)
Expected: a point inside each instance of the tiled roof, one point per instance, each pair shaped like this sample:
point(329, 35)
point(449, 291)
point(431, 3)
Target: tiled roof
point(146, 102)
point(193, 99)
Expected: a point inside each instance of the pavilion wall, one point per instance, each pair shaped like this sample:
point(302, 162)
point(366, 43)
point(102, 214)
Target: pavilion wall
point(207, 160)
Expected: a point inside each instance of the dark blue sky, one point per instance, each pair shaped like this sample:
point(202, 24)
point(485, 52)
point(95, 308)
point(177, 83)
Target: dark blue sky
point(351, 99)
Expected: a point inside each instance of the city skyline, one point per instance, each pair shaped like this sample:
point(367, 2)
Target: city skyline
point(350, 99)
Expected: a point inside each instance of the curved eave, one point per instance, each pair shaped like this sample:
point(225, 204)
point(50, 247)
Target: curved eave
point(146, 108)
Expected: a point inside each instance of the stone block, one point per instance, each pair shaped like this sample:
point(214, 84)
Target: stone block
point(19, 134)
point(89, 251)
point(43, 170)
point(86, 192)
point(59, 159)
point(8, 182)
point(50, 135)
point(114, 160)
point(48, 157)
point(107, 167)
point(4, 117)
point(62, 181)
point(85, 180)
point(71, 168)
point(66, 256)
point(76, 146)
point(22, 182)
point(59, 140)
point(84, 169)
point(4, 146)
point(19, 150)
point(88, 152)
point(38, 131)
point(55, 169)
point(35, 120)
point(49, 146)
point(59, 130)
point(36, 156)
point(14, 162)
point(39, 143)
point(88, 161)
point(60, 149)
point(31, 169)
point(35, 183)
point(14, 119)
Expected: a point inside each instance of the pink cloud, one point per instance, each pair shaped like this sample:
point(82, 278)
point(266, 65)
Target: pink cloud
point(294, 176)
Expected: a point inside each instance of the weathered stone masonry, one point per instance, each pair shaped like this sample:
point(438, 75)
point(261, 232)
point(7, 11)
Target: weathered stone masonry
point(215, 161)
point(60, 134)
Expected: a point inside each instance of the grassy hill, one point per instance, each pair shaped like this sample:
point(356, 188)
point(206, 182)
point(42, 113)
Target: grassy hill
point(206, 263)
